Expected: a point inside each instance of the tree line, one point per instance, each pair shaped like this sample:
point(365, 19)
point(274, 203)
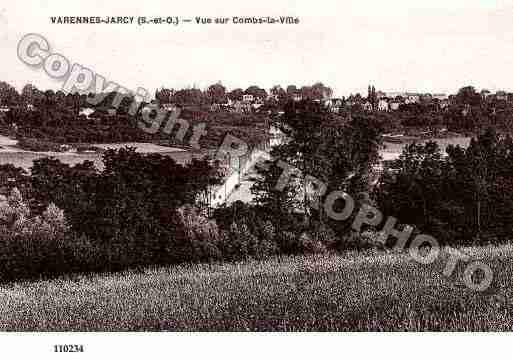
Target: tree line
point(460, 196)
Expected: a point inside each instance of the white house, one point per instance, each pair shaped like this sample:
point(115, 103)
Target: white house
point(444, 104)
point(383, 105)
point(297, 97)
point(440, 96)
point(241, 106)
point(169, 107)
point(485, 93)
point(337, 104)
point(334, 105)
point(501, 95)
point(367, 106)
point(394, 106)
point(412, 98)
point(87, 111)
point(408, 97)
point(247, 98)
point(271, 97)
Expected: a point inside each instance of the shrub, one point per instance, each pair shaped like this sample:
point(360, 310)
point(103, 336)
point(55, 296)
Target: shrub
point(288, 242)
point(373, 239)
point(239, 243)
point(324, 235)
point(31, 246)
point(308, 244)
point(197, 237)
point(360, 241)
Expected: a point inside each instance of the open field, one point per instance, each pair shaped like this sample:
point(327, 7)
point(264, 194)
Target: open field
point(141, 147)
point(11, 153)
point(328, 292)
point(392, 151)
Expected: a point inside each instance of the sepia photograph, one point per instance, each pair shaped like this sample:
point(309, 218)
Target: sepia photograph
point(270, 166)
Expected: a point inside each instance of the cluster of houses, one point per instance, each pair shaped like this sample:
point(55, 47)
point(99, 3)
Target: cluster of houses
point(252, 103)
point(385, 101)
point(249, 103)
point(4, 108)
point(379, 101)
point(391, 101)
point(498, 96)
point(388, 101)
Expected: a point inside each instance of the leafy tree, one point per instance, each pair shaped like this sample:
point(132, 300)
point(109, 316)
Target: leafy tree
point(164, 95)
point(29, 94)
point(321, 148)
point(320, 91)
point(130, 207)
point(277, 203)
point(217, 93)
point(191, 96)
point(280, 94)
point(413, 192)
point(461, 197)
point(256, 91)
point(236, 95)
point(291, 91)
point(468, 96)
point(8, 95)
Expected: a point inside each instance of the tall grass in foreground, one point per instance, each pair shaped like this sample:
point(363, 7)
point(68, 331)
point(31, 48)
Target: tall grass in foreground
point(323, 292)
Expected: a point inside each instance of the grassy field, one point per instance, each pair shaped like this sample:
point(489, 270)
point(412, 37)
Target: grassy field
point(346, 292)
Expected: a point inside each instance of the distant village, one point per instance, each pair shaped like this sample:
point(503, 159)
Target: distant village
point(374, 101)
point(52, 120)
point(254, 99)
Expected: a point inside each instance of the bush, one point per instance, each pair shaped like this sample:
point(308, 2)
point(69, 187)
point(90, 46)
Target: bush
point(325, 236)
point(134, 208)
point(16, 219)
point(288, 242)
point(197, 238)
point(31, 246)
point(239, 243)
point(361, 241)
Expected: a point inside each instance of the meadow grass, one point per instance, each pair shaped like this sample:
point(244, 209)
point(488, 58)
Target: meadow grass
point(353, 291)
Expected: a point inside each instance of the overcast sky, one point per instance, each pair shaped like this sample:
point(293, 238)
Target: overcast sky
point(432, 46)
